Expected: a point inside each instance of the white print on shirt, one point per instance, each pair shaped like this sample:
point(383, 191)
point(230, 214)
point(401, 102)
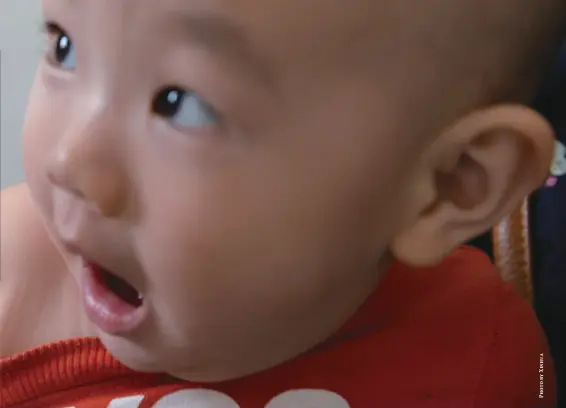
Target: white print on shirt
point(203, 398)
point(559, 163)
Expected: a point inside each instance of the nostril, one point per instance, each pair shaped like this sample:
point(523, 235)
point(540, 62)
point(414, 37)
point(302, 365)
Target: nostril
point(62, 181)
point(76, 192)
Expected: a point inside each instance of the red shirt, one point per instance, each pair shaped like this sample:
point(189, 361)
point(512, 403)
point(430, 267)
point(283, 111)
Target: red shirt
point(449, 336)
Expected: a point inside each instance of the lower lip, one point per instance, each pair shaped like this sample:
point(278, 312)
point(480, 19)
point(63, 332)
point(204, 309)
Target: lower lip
point(105, 309)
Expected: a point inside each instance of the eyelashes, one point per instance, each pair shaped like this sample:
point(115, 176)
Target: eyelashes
point(50, 27)
point(183, 108)
point(60, 51)
point(48, 30)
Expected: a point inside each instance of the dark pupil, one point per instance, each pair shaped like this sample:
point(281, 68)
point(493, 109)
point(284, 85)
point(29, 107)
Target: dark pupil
point(168, 102)
point(63, 48)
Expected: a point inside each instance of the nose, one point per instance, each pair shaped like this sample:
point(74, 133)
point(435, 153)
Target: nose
point(87, 163)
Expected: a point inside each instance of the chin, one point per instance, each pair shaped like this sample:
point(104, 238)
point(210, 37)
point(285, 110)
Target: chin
point(131, 354)
point(143, 360)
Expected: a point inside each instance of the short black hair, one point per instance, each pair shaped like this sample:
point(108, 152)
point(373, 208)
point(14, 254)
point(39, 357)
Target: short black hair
point(482, 53)
point(534, 44)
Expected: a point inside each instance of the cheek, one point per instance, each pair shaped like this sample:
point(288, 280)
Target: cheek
point(218, 237)
point(223, 256)
point(36, 141)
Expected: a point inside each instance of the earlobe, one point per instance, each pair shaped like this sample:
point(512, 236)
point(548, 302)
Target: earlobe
point(483, 167)
point(422, 245)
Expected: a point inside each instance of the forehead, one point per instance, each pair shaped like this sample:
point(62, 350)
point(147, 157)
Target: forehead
point(262, 10)
point(311, 28)
point(251, 14)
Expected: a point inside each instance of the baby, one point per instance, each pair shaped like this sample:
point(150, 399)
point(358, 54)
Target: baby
point(259, 204)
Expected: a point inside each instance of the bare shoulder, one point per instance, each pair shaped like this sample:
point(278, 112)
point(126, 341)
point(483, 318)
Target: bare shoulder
point(24, 242)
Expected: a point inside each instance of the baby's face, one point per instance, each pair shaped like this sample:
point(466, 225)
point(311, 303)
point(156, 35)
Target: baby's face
point(239, 163)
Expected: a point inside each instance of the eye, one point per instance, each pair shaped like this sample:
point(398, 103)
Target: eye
point(184, 109)
point(62, 51)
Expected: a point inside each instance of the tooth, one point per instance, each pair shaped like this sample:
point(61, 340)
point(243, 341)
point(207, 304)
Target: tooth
point(140, 296)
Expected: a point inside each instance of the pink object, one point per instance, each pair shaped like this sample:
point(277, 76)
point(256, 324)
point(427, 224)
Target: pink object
point(552, 181)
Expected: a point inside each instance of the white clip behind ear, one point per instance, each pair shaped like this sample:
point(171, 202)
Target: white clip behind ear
point(558, 167)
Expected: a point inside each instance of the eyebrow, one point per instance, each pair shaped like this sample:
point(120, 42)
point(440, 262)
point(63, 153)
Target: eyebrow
point(223, 36)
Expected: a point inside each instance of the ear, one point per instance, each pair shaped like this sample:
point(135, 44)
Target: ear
point(474, 174)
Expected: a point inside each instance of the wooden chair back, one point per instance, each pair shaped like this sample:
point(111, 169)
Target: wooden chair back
point(512, 251)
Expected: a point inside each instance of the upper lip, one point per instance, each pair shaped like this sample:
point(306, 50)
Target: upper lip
point(123, 269)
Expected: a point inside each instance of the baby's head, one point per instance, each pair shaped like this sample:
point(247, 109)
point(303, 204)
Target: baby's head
point(252, 166)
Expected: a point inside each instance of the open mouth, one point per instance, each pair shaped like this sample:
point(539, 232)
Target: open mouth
point(117, 286)
point(110, 302)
